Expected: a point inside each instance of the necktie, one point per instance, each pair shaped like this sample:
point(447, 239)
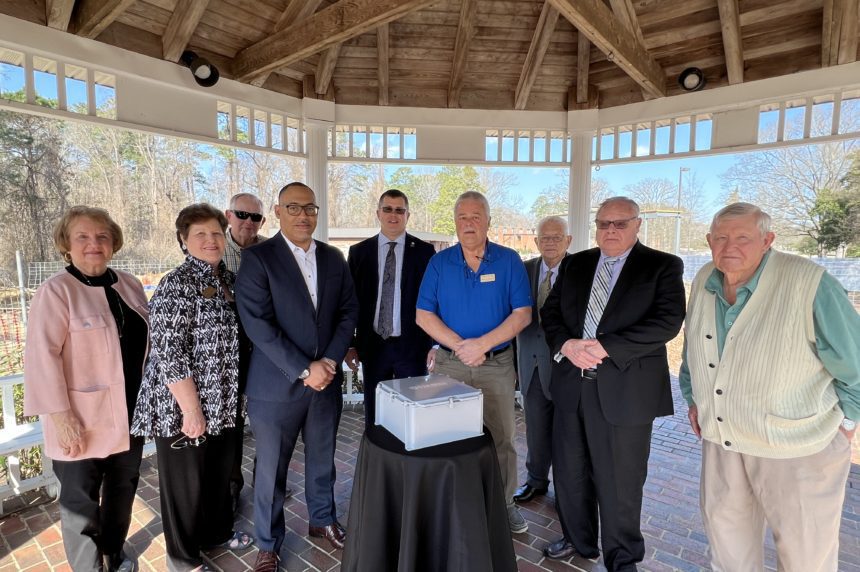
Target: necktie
point(598, 298)
point(385, 325)
point(543, 289)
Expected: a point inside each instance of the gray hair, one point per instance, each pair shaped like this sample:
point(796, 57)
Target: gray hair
point(235, 198)
point(735, 210)
point(473, 196)
point(627, 201)
point(552, 218)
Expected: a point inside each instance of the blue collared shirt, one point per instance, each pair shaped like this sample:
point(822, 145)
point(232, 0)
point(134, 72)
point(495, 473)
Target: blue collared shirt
point(474, 303)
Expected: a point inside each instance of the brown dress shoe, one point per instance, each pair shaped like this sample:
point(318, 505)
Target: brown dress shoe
point(333, 532)
point(267, 561)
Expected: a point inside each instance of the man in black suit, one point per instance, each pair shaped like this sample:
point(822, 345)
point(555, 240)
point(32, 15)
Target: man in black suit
point(534, 363)
point(387, 271)
point(297, 303)
point(607, 321)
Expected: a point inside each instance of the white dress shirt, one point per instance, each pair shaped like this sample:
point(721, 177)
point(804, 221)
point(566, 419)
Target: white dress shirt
point(616, 270)
point(307, 262)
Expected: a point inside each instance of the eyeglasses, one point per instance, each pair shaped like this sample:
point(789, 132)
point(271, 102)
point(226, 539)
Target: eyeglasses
point(396, 210)
point(244, 215)
point(550, 239)
point(186, 441)
point(618, 224)
point(294, 210)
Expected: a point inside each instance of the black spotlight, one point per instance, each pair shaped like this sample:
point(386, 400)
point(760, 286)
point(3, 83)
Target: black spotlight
point(691, 79)
point(205, 74)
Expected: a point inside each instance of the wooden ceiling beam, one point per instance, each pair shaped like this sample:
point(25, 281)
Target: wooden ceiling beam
point(383, 54)
point(583, 61)
point(626, 14)
point(605, 31)
point(537, 50)
point(325, 69)
point(58, 13)
point(730, 23)
point(296, 11)
point(91, 17)
point(332, 25)
point(181, 27)
point(839, 32)
point(465, 31)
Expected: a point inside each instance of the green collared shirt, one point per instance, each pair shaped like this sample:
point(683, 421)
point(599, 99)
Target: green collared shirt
point(837, 334)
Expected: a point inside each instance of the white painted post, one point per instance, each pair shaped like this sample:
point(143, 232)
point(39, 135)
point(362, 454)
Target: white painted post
point(317, 170)
point(579, 193)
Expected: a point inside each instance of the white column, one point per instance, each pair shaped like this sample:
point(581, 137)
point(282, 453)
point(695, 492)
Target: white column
point(579, 197)
point(317, 171)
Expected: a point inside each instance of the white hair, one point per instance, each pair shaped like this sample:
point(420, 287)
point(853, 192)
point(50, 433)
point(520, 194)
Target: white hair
point(630, 203)
point(235, 199)
point(553, 218)
point(473, 196)
point(735, 210)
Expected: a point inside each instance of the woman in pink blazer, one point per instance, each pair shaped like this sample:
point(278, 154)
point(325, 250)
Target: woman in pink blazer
point(87, 340)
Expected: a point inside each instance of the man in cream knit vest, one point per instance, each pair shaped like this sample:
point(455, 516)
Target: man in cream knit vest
point(771, 374)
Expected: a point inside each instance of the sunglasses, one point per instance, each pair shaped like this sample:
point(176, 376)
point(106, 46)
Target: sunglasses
point(244, 215)
point(185, 441)
point(618, 224)
point(397, 210)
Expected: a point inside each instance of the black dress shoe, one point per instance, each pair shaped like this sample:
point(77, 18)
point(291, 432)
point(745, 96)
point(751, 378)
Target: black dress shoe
point(527, 492)
point(333, 532)
point(562, 549)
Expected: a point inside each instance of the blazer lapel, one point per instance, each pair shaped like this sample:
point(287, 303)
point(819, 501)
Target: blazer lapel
point(623, 283)
point(408, 262)
point(322, 267)
point(584, 286)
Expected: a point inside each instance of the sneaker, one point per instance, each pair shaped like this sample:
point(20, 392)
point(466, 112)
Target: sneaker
point(516, 521)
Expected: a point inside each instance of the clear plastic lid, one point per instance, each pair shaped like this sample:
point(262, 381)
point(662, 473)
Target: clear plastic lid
point(429, 389)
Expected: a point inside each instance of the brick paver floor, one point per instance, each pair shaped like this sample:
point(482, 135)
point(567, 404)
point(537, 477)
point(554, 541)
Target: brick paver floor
point(674, 539)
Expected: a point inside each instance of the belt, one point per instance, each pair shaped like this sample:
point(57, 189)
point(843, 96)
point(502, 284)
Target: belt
point(589, 374)
point(489, 355)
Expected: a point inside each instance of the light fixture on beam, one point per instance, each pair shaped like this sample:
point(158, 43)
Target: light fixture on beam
point(205, 74)
point(691, 79)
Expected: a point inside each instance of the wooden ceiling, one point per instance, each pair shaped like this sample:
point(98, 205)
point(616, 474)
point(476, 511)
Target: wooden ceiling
point(481, 54)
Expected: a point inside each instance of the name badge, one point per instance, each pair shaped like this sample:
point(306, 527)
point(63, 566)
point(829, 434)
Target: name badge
point(488, 277)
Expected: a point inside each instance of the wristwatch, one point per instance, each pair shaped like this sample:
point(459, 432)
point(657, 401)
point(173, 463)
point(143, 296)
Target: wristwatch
point(849, 424)
point(305, 374)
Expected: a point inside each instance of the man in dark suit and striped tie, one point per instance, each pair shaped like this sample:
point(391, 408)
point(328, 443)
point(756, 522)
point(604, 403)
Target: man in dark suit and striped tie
point(607, 321)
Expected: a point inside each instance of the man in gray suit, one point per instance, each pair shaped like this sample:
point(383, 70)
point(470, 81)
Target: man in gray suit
point(533, 358)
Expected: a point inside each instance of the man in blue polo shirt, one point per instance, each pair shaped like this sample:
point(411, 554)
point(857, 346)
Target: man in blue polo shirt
point(474, 299)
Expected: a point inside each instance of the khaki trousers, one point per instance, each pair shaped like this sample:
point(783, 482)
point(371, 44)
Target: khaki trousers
point(800, 499)
point(495, 378)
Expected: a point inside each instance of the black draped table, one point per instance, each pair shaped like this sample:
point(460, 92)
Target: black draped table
point(436, 509)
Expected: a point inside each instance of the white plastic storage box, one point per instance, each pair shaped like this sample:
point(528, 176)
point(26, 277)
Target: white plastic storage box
point(429, 410)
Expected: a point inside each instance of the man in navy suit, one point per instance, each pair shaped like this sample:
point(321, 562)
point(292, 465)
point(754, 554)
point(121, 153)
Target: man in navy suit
point(387, 271)
point(534, 363)
point(297, 303)
point(607, 321)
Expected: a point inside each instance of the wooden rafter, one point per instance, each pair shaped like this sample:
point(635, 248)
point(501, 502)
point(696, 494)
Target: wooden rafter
point(382, 49)
point(59, 13)
point(325, 69)
point(537, 51)
point(605, 31)
point(91, 17)
point(465, 31)
point(731, 27)
point(583, 61)
point(332, 25)
point(839, 32)
point(296, 11)
point(626, 14)
point(181, 27)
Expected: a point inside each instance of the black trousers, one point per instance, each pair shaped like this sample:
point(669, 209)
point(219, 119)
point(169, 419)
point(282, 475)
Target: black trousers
point(194, 483)
point(96, 496)
point(539, 413)
point(597, 464)
point(393, 358)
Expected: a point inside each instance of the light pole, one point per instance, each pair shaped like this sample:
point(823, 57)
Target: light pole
point(678, 220)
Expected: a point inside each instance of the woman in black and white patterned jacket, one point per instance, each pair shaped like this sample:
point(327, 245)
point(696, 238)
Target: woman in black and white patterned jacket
point(189, 395)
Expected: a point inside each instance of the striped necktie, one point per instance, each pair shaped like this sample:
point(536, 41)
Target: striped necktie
point(598, 298)
point(385, 325)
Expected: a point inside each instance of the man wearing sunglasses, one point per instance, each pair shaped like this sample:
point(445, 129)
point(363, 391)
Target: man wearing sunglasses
point(387, 271)
point(607, 321)
point(245, 217)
